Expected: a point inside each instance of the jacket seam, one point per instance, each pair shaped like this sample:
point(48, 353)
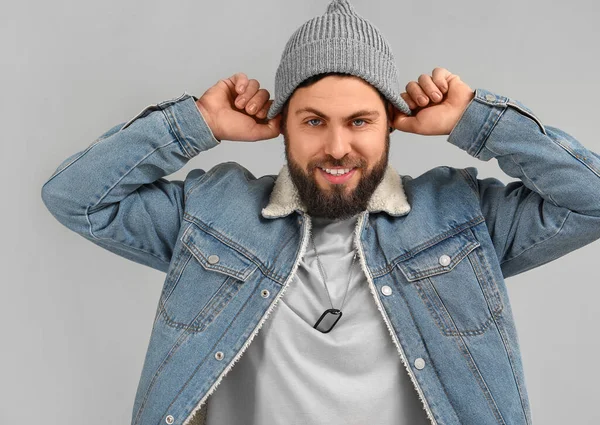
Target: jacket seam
point(464, 349)
point(542, 241)
point(89, 207)
point(427, 244)
point(235, 246)
point(176, 131)
point(537, 189)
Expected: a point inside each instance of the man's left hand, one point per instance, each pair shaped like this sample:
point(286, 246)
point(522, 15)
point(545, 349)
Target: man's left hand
point(433, 115)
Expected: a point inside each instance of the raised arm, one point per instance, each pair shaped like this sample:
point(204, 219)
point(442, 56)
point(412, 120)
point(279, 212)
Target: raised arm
point(553, 209)
point(114, 193)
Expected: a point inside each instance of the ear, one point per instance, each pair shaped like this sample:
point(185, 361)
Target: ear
point(390, 109)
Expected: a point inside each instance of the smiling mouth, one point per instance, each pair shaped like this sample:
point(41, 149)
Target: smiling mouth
point(337, 175)
point(336, 171)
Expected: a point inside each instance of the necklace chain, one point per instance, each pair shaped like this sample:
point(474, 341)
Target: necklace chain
point(321, 271)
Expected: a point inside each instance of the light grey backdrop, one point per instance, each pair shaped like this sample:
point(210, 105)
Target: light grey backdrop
point(76, 319)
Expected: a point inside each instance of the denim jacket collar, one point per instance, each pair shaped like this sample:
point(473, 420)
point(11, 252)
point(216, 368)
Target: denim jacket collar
point(389, 196)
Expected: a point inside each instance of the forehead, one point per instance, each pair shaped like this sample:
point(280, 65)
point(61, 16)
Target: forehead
point(342, 93)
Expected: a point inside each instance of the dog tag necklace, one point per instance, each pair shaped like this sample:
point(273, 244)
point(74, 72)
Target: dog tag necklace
point(332, 315)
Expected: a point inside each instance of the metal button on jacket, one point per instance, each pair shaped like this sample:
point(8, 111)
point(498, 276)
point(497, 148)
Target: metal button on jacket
point(213, 259)
point(386, 290)
point(169, 419)
point(444, 260)
point(419, 363)
point(490, 97)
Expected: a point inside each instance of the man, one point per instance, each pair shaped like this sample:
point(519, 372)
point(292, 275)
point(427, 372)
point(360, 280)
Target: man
point(385, 293)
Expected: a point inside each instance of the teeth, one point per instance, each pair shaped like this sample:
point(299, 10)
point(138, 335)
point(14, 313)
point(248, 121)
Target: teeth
point(337, 172)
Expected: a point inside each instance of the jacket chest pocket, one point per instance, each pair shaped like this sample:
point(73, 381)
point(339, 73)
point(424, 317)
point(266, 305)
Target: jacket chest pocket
point(454, 282)
point(207, 275)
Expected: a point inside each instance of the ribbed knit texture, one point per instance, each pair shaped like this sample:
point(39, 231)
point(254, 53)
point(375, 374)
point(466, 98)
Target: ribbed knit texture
point(338, 41)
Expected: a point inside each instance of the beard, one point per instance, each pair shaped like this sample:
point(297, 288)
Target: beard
point(336, 202)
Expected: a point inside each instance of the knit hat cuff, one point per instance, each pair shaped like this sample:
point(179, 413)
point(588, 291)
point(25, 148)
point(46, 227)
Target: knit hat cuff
point(337, 55)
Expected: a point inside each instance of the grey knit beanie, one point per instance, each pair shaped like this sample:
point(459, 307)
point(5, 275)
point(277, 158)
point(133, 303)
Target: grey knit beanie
point(338, 41)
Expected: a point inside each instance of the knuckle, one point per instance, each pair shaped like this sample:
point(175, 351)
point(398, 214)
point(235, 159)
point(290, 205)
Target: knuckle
point(423, 78)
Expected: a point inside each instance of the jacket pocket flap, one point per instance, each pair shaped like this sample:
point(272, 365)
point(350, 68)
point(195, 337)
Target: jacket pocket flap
point(439, 258)
point(215, 255)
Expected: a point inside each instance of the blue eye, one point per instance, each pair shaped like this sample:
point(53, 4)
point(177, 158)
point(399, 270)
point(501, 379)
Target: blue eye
point(317, 119)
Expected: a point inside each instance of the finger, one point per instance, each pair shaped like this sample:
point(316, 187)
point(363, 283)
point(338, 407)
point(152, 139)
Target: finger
point(440, 78)
point(240, 81)
point(417, 94)
point(411, 103)
point(429, 87)
point(249, 91)
point(265, 110)
point(257, 101)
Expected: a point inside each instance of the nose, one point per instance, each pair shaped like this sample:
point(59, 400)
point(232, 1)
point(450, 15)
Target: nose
point(338, 143)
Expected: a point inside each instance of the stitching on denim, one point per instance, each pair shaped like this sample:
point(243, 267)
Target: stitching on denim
point(209, 312)
point(486, 281)
point(427, 244)
point(467, 332)
point(472, 183)
point(464, 349)
point(464, 251)
point(200, 179)
point(509, 353)
point(398, 335)
point(246, 337)
point(528, 114)
point(180, 263)
point(542, 241)
point(87, 213)
point(574, 154)
point(251, 256)
point(490, 122)
point(241, 275)
point(537, 189)
point(60, 170)
point(167, 113)
point(184, 335)
point(176, 346)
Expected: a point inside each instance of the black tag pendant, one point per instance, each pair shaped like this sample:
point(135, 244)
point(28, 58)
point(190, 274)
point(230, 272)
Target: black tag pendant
point(328, 320)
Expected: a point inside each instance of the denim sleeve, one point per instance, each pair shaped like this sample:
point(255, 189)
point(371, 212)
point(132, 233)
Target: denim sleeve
point(114, 193)
point(554, 207)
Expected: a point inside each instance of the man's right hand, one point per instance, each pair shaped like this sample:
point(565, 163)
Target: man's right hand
point(227, 109)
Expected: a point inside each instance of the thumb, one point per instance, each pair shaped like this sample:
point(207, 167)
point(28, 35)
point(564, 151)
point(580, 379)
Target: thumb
point(405, 123)
point(269, 130)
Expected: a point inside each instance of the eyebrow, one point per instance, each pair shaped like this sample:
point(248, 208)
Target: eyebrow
point(361, 113)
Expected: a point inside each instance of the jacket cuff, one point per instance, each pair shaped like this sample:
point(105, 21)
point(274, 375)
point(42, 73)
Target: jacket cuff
point(477, 121)
point(481, 116)
point(186, 122)
point(191, 128)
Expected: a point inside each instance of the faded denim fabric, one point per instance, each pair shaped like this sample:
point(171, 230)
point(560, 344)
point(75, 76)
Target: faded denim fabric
point(226, 265)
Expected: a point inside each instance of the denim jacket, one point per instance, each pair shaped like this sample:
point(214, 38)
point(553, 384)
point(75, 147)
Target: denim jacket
point(436, 250)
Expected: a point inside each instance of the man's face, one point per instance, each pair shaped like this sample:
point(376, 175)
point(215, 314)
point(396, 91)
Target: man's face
point(337, 123)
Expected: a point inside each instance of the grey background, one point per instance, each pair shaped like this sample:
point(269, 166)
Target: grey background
point(76, 319)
